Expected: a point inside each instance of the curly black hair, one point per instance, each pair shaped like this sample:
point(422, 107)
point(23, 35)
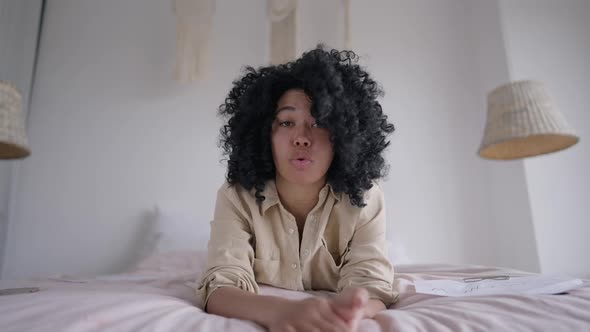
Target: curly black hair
point(344, 100)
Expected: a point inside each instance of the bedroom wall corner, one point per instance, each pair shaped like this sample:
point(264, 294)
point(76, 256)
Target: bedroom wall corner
point(511, 223)
point(549, 41)
point(422, 55)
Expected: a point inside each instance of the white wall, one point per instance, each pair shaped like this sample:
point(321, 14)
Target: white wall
point(19, 25)
point(320, 22)
point(113, 134)
point(550, 41)
point(422, 53)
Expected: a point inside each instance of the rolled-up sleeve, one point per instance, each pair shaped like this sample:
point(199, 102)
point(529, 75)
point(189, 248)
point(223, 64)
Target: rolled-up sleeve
point(230, 253)
point(366, 264)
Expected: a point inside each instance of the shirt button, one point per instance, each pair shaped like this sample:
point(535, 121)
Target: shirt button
point(312, 219)
point(293, 266)
point(291, 231)
point(305, 252)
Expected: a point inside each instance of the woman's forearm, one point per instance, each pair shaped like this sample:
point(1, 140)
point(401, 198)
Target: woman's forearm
point(236, 303)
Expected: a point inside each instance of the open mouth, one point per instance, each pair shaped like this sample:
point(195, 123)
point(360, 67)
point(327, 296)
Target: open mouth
point(301, 163)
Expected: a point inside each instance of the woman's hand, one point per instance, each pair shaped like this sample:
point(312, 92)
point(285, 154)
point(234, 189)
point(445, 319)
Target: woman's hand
point(350, 305)
point(342, 313)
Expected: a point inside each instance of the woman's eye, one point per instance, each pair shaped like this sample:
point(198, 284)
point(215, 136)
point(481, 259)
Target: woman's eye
point(317, 125)
point(285, 123)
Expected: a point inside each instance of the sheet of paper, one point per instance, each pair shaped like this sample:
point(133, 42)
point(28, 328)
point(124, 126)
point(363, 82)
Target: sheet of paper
point(537, 284)
point(114, 277)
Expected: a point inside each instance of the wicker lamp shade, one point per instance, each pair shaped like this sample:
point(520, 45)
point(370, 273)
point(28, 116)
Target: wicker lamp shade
point(522, 122)
point(13, 139)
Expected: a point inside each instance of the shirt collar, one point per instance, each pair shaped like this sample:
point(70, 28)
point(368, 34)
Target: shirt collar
point(272, 196)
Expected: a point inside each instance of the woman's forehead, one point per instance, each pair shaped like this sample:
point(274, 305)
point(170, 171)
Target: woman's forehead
point(294, 98)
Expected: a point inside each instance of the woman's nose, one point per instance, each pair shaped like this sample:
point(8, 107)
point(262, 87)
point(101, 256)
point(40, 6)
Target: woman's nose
point(302, 138)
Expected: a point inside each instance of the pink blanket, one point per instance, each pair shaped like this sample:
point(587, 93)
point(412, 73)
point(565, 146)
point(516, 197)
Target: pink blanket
point(162, 301)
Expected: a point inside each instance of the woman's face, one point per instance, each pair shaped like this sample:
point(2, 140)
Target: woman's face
point(302, 151)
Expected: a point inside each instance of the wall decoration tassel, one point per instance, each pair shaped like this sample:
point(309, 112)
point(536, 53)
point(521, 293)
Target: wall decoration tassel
point(347, 37)
point(193, 38)
point(283, 30)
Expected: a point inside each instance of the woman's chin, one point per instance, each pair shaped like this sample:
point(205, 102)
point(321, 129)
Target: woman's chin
point(303, 178)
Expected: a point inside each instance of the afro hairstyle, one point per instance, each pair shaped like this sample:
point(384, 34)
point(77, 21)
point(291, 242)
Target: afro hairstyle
point(344, 100)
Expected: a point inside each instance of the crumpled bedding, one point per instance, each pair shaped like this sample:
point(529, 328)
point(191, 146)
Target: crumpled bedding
point(163, 300)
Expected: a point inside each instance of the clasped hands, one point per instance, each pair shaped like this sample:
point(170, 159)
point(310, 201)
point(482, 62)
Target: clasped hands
point(338, 314)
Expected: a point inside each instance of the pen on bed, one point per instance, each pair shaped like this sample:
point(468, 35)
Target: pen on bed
point(22, 290)
point(493, 277)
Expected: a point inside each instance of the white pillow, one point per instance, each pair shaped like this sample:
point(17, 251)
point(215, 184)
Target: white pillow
point(174, 229)
point(193, 261)
point(177, 230)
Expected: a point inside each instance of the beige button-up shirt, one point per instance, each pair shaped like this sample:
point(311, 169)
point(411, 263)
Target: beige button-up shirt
point(341, 246)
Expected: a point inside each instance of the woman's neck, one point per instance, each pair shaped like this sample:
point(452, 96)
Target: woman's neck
point(299, 199)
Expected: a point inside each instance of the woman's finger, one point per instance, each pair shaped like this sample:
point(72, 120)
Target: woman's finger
point(329, 321)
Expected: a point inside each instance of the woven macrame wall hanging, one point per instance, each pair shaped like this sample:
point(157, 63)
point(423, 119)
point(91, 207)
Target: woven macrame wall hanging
point(194, 27)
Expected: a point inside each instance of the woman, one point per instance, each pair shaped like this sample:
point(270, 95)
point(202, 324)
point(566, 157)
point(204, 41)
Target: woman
point(300, 209)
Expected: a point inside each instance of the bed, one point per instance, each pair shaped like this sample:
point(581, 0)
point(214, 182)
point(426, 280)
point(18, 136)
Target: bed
point(157, 294)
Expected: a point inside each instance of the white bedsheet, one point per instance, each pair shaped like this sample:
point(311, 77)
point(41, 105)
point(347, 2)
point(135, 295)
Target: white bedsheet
point(161, 301)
